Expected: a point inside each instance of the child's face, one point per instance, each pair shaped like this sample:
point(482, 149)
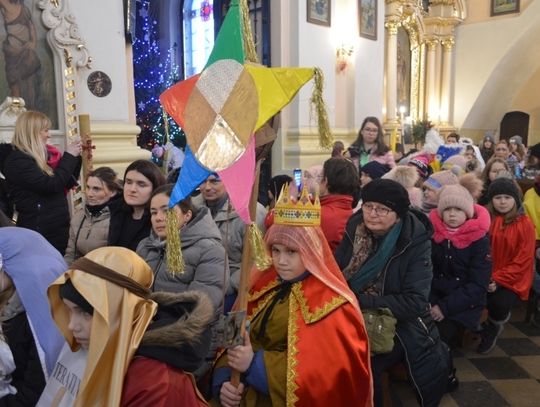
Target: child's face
point(364, 179)
point(503, 203)
point(80, 323)
point(287, 262)
point(430, 195)
point(454, 217)
point(494, 170)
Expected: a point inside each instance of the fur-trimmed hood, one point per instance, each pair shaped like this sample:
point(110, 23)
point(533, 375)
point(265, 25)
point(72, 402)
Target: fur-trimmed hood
point(179, 333)
point(404, 175)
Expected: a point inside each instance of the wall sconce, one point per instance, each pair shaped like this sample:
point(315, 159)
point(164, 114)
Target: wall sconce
point(343, 53)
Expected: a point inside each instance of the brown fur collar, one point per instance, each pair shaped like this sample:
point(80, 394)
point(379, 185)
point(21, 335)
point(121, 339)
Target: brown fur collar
point(190, 325)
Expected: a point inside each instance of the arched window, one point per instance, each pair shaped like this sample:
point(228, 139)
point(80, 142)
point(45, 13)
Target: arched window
point(198, 34)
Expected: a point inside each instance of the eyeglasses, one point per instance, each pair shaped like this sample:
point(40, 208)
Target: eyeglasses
point(370, 130)
point(369, 208)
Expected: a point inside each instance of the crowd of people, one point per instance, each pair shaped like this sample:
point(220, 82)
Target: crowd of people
point(442, 242)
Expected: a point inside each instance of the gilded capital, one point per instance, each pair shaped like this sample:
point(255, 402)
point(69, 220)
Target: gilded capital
point(432, 43)
point(391, 26)
point(448, 43)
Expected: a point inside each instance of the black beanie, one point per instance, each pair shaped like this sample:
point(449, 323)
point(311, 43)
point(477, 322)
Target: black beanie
point(69, 292)
point(389, 193)
point(504, 186)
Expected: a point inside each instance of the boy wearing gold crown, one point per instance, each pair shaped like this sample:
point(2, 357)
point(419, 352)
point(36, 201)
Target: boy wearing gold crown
point(307, 344)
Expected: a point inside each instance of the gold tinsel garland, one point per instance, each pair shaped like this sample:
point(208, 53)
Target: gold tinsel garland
point(317, 102)
point(250, 50)
point(175, 259)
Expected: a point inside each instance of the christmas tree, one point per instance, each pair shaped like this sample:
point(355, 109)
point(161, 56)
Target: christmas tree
point(154, 72)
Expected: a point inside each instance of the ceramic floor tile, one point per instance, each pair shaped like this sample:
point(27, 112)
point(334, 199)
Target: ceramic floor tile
point(518, 346)
point(530, 363)
point(478, 394)
point(529, 330)
point(448, 401)
point(466, 371)
point(511, 331)
point(499, 368)
point(519, 393)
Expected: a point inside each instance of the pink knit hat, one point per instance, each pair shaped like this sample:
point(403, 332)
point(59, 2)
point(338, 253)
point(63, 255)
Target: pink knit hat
point(456, 196)
point(439, 179)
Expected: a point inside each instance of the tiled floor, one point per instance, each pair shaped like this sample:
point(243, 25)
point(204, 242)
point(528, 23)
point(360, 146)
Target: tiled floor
point(508, 376)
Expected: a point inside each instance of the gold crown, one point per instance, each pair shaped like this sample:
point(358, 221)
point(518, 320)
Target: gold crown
point(297, 213)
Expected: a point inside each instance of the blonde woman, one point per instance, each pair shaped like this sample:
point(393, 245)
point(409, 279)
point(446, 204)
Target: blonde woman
point(36, 189)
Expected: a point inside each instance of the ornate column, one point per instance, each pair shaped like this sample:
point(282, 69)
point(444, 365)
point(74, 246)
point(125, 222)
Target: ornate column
point(391, 70)
point(446, 80)
point(431, 79)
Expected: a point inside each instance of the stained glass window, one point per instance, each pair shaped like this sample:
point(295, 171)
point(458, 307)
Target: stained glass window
point(198, 34)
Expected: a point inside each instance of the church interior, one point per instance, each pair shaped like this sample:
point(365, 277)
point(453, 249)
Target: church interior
point(465, 66)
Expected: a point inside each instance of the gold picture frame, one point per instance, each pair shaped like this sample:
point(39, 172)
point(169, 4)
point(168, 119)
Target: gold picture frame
point(319, 12)
point(501, 7)
point(367, 19)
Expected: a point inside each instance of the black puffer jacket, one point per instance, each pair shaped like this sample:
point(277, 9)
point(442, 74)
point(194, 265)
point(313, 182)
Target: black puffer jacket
point(28, 377)
point(40, 199)
point(407, 280)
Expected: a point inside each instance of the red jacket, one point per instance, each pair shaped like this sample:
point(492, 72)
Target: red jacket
point(151, 383)
point(335, 212)
point(512, 249)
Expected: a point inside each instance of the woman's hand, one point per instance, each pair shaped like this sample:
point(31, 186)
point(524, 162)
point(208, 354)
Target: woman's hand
point(74, 148)
point(229, 395)
point(492, 287)
point(436, 313)
point(240, 356)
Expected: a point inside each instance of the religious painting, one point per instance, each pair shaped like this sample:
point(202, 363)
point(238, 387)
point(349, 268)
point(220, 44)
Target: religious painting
point(318, 12)
point(367, 18)
point(403, 72)
point(27, 66)
point(499, 7)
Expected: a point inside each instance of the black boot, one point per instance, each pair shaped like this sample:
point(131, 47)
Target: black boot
point(453, 382)
point(490, 333)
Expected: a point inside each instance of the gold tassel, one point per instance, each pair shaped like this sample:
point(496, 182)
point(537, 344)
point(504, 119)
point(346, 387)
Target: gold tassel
point(326, 140)
point(249, 43)
point(175, 259)
point(258, 249)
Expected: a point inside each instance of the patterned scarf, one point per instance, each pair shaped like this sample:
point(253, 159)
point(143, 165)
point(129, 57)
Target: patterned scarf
point(370, 256)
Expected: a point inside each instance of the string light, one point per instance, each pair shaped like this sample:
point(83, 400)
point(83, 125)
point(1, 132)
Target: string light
point(153, 73)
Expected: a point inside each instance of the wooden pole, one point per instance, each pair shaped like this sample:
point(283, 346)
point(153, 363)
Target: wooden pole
point(246, 264)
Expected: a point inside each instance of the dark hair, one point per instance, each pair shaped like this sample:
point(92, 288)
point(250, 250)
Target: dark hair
point(184, 205)
point(485, 172)
point(337, 148)
point(108, 176)
point(276, 183)
point(149, 170)
point(341, 176)
point(380, 147)
point(454, 135)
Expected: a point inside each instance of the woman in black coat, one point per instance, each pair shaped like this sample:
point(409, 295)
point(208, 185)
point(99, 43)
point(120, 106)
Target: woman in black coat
point(385, 255)
point(130, 216)
point(37, 190)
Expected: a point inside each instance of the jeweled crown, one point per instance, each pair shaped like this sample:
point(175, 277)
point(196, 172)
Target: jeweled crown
point(302, 212)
